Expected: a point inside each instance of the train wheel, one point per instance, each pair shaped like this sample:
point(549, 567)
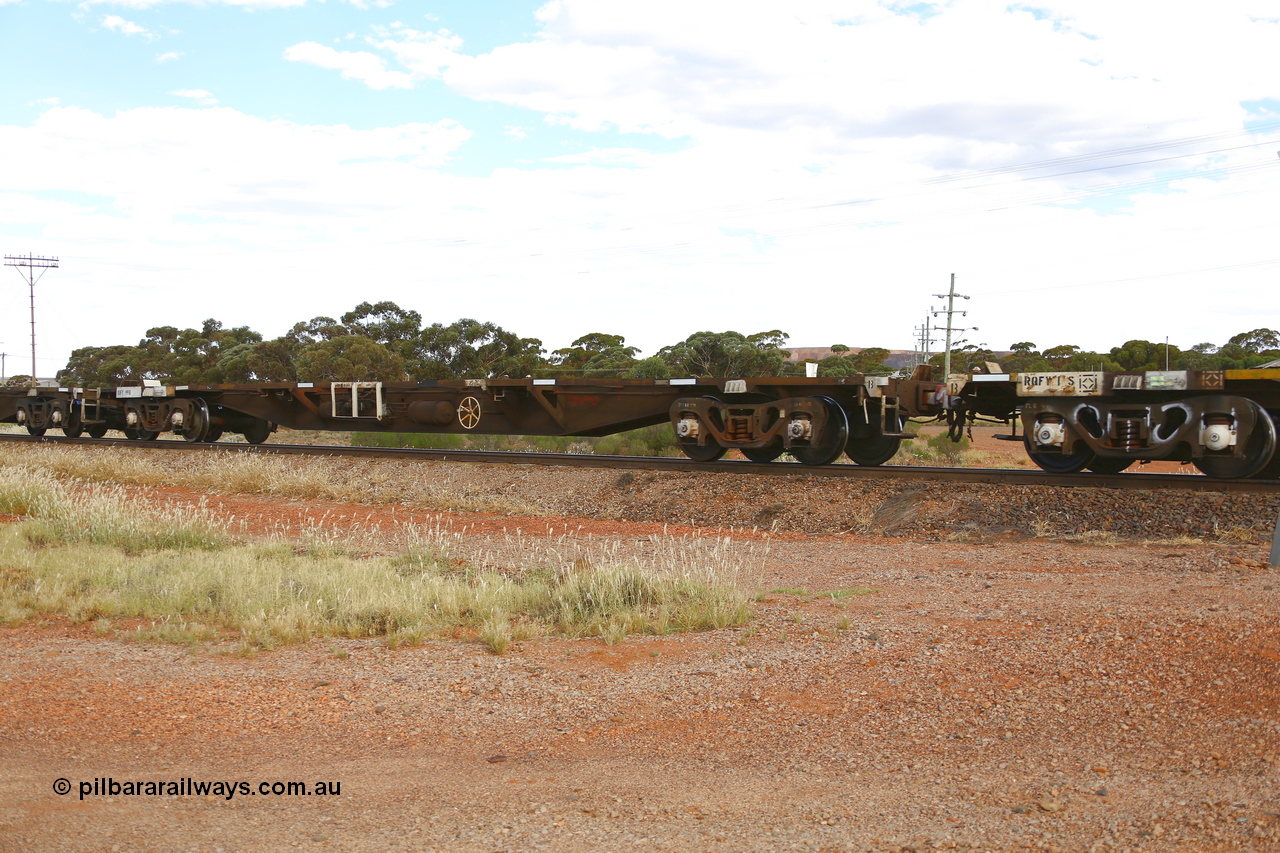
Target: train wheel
point(71, 425)
point(687, 440)
point(213, 434)
point(147, 435)
point(97, 430)
point(873, 451)
point(834, 437)
point(36, 430)
point(1260, 451)
point(764, 454)
point(1271, 471)
point(197, 426)
point(1109, 464)
point(1060, 463)
point(709, 452)
point(259, 432)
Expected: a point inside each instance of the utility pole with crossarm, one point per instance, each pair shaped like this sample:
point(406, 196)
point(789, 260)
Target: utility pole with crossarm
point(950, 311)
point(32, 263)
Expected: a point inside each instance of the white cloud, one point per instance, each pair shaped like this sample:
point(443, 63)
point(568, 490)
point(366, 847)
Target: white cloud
point(170, 56)
point(230, 204)
point(830, 165)
point(117, 24)
point(173, 190)
point(426, 54)
point(22, 208)
point(264, 182)
point(985, 82)
point(365, 67)
point(248, 4)
point(200, 96)
point(236, 153)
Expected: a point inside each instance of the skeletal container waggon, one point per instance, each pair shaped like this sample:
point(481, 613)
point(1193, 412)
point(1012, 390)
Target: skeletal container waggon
point(814, 419)
point(1224, 422)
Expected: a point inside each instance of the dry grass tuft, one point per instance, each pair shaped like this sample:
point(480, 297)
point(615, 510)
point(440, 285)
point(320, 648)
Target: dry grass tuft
point(89, 554)
point(63, 513)
point(301, 478)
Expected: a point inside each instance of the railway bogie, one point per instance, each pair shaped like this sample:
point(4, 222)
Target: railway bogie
point(1224, 422)
point(137, 412)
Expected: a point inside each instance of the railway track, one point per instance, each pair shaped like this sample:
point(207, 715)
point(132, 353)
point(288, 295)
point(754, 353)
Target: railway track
point(1010, 476)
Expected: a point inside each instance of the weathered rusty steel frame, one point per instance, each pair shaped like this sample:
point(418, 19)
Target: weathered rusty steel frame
point(571, 407)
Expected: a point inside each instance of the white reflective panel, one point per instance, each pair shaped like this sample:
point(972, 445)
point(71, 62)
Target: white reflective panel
point(544, 382)
point(989, 377)
point(684, 382)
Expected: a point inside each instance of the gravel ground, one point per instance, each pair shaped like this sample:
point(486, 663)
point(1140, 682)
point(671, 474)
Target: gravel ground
point(956, 684)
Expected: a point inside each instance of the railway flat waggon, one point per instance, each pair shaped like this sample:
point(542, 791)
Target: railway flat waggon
point(1224, 422)
point(814, 419)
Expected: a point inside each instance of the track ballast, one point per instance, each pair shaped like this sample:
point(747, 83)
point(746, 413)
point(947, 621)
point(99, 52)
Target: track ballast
point(1009, 476)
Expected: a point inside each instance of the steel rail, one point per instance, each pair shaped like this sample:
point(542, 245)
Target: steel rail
point(1007, 476)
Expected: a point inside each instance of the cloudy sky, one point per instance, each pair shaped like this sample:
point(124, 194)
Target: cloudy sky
point(1091, 171)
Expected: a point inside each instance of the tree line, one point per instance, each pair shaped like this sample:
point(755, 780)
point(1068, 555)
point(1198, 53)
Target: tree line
point(1240, 352)
point(384, 342)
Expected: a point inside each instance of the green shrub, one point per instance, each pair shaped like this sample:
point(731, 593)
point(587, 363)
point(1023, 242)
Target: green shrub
point(419, 440)
point(657, 440)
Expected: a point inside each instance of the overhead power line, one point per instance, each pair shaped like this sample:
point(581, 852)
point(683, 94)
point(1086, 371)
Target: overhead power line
point(1247, 265)
point(32, 263)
